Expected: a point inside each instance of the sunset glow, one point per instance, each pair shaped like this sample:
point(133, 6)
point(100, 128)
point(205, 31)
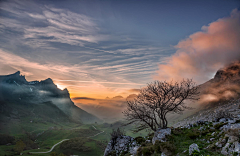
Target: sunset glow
point(114, 48)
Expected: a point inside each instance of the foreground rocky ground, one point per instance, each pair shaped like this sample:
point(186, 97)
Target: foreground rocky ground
point(213, 132)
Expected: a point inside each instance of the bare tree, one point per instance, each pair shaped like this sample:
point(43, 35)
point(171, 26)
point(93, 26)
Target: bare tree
point(154, 102)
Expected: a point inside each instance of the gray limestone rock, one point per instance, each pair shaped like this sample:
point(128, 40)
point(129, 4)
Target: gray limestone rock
point(192, 148)
point(160, 135)
point(222, 120)
point(123, 143)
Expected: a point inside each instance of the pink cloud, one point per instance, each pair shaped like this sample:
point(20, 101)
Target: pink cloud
point(204, 52)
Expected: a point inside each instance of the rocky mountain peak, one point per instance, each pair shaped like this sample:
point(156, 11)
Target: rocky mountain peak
point(14, 78)
point(47, 81)
point(229, 72)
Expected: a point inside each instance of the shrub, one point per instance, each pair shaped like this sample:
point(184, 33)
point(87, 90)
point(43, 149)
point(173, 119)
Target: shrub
point(76, 144)
point(193, 135)
point(177, 131)
point(168, 145)
point(20, 146)
point(116, 134)
point(140, 139)
point(234, 132)
point(150, 136)
point(5, 139)
point(147, 151)
point(195, 153)
point(157, 147)
point(124, 153)
point(56, 154)
point(205, 132)
point(235, 153)
point(143, 144)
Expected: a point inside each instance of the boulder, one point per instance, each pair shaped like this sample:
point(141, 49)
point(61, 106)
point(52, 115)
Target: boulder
point(123, 143)
point(160, 135)
point(163, 154)
point(192, 148)
point(222, 120)
point(231, 146)
point(230, 126)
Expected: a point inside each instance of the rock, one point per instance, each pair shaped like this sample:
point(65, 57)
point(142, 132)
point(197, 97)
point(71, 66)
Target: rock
point(230, 126)
point(160, 135)
point(232, 139)
point(133, 150)
point(163, 154)
point(220, 133)
point(224, 149)
point(192, 148)
point(213, 134)
point(231, 147)
point(123, 143)
point(222, 120)
point(212, 128)
point(201, 128)
point(231, 121)
point(148, 141)
point(237, 147)
point(211, 139)
point(224, 141)
point(218, 144)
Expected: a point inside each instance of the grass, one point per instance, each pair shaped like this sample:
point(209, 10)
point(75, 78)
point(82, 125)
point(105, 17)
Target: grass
point(53, 133)
point(180, 140)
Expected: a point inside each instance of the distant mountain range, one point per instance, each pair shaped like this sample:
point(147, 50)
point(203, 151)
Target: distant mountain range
point(18, 97)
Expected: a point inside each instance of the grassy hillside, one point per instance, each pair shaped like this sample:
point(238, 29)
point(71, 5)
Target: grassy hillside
point(43, 135)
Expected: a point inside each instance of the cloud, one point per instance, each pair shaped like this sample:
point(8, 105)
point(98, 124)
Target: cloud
point(204, 52)
point(134, 90)
point(108, 108)
point(77, 50)
point(50, 24)
point(82, 98)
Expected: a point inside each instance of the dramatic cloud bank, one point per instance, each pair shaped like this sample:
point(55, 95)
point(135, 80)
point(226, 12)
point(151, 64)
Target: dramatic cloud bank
point(203, 53)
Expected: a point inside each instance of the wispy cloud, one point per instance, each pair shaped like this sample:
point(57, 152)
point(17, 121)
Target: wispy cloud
point(44, 41)
point(53, 25)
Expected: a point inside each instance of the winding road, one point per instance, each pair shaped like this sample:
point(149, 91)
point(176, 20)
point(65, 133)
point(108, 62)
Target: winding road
point(61, 142)
point(51, 148)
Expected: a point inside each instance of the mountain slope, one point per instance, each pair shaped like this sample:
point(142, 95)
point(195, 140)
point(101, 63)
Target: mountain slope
point(15, 89)
point(224, 86)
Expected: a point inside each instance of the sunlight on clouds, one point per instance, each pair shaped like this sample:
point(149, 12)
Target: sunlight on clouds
point(204, 52)
point(36, 71)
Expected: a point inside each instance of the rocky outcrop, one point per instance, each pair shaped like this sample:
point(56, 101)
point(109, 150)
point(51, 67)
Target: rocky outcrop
point(160, 135)
point(192, 148)
point(231, 146)
point(122, 144)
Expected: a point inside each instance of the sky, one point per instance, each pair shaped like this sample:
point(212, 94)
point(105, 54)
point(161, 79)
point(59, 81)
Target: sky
point(100, 49)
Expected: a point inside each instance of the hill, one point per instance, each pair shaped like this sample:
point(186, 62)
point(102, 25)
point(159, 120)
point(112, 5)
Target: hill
point(223, 87)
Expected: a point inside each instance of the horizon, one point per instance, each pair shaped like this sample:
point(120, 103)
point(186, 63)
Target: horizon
point(119, 77)
point(112, 49)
